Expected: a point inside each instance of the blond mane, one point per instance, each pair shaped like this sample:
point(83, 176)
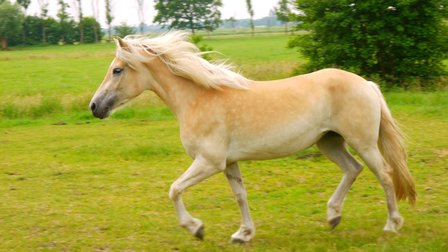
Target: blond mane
point(182, 57)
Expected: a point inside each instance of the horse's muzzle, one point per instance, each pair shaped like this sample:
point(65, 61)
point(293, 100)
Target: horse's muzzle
point(99, 113)
point(101, 108)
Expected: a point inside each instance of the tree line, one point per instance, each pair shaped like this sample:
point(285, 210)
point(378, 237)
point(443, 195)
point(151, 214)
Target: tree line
point(16, 28)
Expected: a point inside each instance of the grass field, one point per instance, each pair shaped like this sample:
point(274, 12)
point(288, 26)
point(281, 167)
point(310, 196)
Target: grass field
point(72, 182)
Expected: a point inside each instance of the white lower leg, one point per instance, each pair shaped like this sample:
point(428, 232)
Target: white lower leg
point(381, 169)
point(394, 220)
point(247, 229)
point(335, 203)
point(197, 172)
point(244, 234)
point(193, 225)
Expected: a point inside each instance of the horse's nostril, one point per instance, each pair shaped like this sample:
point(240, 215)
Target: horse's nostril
point(93, 106)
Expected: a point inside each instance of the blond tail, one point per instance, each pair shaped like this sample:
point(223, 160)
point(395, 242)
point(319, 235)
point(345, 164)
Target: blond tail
point(392, 148)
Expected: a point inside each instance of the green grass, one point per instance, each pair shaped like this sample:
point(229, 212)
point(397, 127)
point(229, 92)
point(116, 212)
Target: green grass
point(265, 57)
point(72, 182)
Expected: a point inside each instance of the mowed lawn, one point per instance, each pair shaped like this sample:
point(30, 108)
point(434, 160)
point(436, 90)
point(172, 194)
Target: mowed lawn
point(72, 182)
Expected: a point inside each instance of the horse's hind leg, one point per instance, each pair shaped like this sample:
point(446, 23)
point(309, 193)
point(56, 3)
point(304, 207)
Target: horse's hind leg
point(247, 229)
point(374, 160)
point(332, 145)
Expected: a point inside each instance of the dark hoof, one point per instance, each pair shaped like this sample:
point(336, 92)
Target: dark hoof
point(236, 241)
point(200, 233)
point(334, 222)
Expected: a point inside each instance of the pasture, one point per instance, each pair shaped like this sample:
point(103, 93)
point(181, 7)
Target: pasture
point(72, 182)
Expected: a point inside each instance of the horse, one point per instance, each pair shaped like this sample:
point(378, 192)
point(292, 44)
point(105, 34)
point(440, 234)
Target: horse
point(225, 118)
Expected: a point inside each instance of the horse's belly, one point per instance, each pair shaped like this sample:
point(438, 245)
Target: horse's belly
point(273, 143)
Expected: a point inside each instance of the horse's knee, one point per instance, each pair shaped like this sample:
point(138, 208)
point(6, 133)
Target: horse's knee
point(174, 192)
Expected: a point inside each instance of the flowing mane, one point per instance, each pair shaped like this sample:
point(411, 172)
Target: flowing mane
point(182, 57)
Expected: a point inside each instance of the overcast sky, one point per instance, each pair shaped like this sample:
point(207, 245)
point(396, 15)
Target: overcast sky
point(126, 10)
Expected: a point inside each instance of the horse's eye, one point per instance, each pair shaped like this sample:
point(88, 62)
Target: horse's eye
point(117, 71)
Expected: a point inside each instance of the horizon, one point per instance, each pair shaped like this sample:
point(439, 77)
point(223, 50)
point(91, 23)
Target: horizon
point(126, 11)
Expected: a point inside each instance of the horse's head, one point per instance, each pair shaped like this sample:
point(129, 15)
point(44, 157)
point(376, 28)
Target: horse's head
point(121, 83)
point(139, 60)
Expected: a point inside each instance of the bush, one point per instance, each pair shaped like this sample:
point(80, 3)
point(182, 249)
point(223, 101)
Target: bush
point(397, 41)
point(123, 30)
point(92, 30)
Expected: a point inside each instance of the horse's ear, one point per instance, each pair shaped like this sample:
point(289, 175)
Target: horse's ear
point(120, 43)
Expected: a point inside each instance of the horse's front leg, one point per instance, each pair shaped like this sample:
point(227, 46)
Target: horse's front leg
point(199, 170)
point(247, 228)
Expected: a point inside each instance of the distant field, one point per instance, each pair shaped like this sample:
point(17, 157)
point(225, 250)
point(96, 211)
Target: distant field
point(72, 182)
point(265, 57)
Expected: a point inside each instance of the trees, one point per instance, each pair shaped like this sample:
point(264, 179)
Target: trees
point(32, 29)
point(141, 14)
point(15, 28)
point(53, 34)
point(251, 14)
point(109, 18)
point(396, 41)
point(283, 12)
point(232, 22)
point(123, 30)
point(67, 28)
point(24, 4)
point(11, 19)
point(189, 14)
point(95, 12)
point(78, 7)
point(92, 30)
point(43, 14)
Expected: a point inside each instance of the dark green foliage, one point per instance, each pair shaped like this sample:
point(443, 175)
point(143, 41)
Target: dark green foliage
point(189, 14)
point(91, 26)
point(56, 32)
point(397, 41)
point(32, 28)
point(52, 31)
point(11, 19)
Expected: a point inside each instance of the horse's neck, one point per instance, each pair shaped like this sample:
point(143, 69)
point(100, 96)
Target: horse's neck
point(177, 92)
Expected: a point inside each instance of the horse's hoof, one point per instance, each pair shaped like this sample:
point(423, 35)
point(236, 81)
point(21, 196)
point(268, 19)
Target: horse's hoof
point(237, 241)
point(200, 233)
point(394, 224)
point(334, 222)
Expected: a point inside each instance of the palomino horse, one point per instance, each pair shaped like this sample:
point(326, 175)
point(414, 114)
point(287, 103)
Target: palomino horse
point(225, 118)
